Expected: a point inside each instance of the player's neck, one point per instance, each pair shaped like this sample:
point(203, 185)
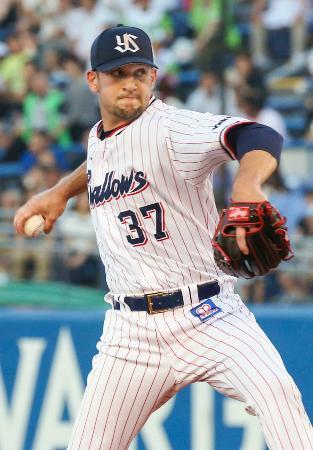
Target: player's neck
point(103, 134)
point(109, 125)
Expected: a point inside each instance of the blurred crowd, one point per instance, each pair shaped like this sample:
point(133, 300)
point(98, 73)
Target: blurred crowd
point(251, 58)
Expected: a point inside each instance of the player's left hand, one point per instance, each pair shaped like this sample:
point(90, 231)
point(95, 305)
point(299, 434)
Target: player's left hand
point(239, 194)
point(251, 239)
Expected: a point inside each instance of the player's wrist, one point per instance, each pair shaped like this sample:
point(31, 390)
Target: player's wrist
point(247, 191)
point(62, 190)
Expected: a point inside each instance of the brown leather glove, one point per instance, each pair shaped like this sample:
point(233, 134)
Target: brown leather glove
point(266, 237)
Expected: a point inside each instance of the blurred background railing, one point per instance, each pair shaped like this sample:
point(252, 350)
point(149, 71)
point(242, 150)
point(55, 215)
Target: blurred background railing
point(59, 270)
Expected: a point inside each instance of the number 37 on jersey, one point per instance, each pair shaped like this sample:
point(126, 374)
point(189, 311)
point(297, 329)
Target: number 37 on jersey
point(135, 223)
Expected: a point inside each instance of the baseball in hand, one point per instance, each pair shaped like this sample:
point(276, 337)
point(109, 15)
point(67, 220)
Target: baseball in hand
point(34, 225)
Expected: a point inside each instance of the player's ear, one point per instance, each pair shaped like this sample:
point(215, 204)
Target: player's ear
point(154, 74)
point(92, 80)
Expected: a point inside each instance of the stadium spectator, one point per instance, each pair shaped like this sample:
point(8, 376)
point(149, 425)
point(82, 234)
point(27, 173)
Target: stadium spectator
point(164, 55)
point(278, 29)
point(80, 250)
point(32, 260)
point(9, 12)
point(41, 152)
point(290, 202)
point(166, 90)
point(253, 290)
point(207, 97)
point(33, 181)
point(11, 144)
point(81, 105)
point(242, 14)
point(39, 178)
point(42, 109)
point(252, 105)
point(148, 15)
point(243, 74)
point(305, 223)
point(84, 23)
point(12, 68)
point(10, 199)
point(187, 75)
point(30, 70)
point(53, 17)
point(29, 259)
point(51, 64)
point(216, 33)
point(292, 287)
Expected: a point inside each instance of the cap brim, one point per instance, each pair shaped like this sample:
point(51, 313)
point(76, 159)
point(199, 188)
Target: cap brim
point(122, 62)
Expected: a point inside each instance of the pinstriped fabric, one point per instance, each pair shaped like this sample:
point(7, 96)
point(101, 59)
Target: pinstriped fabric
point(147, 166)
point(146, 159)
point(171, 188)
point(131, 377)
point(144, 360)
point(264, 355)
point(253, 369)
point(88, 398)
point(153, 209)
point(145, 147)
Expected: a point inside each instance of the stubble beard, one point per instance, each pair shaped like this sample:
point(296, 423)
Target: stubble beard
point(121, 113)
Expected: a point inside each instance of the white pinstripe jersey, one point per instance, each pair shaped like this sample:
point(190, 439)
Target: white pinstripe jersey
point(151, 198)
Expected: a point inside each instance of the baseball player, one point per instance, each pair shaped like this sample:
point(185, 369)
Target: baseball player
point(174, 316)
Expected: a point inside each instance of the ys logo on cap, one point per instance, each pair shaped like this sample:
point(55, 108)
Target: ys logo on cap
point(127, 43)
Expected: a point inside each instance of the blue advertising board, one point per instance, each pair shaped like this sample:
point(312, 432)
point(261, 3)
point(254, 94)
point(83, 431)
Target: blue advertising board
point(45, 358)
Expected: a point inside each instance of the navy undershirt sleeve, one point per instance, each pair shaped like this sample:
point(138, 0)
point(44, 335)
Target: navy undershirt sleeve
point(254, 136)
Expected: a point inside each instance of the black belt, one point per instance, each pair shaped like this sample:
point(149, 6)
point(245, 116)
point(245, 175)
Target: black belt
point(156, 302)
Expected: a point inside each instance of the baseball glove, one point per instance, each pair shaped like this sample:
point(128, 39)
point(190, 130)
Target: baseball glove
point(266, 237)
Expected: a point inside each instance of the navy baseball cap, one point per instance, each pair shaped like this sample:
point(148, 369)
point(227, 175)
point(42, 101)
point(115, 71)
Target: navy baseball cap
point(121, 45)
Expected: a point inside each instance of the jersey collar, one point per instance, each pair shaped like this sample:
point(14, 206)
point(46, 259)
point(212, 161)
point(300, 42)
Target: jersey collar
point(101, 134)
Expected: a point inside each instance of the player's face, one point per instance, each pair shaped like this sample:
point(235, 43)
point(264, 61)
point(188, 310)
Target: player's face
point(124, 92)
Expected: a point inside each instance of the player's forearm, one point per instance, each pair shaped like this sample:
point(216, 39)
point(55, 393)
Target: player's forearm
point(73, 184)
point(255, 168)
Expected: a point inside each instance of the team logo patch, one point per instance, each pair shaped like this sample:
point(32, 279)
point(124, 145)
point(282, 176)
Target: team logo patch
point(126, 43)
point(205, 310)
point(238, 213)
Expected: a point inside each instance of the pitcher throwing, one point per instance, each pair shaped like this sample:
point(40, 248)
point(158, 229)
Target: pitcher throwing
point(174, 316)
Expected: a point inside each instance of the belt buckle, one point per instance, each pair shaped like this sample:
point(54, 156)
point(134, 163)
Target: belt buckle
point(150, 301)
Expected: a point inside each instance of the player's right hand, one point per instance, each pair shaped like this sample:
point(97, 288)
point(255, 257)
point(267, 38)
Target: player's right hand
point(50, 204)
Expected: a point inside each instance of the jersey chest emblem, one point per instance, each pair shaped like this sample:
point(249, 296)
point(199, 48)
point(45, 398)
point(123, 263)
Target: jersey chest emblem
point(113, 188)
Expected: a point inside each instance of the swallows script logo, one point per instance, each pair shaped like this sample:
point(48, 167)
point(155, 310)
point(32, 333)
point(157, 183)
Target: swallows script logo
point(127, 43)
point(116, 187)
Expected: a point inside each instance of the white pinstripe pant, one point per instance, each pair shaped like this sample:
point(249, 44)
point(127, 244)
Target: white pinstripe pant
point(144, 360)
